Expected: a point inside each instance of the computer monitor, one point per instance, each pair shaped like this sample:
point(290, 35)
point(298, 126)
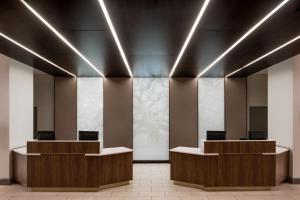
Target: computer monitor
point(216, 135)
point(88, 135)
point(46, 135)
point(258, 135)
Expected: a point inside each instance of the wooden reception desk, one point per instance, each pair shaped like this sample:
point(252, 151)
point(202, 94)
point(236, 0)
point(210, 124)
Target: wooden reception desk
point(71, 165)
point(230, 165)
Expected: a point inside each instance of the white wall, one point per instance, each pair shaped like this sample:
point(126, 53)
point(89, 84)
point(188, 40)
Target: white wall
point(284, 108)
point(210, 105)
point(280, 103)
point(20, 104)
point(16, 110)
point(296, 117)
point(150, 119)
point(90, 105)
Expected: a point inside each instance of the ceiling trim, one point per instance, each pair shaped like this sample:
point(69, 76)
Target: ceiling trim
point(115, 36)
point(34, 53)
point(201, 12)
point(265, 55)
point(251, 30)
point(60, 36)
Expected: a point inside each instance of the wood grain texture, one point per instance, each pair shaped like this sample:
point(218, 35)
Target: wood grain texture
point(187, 168)
point(264, 146)
point(282, 167)
point(19, 166)
point(224, 170)
point(115, 168)
point(242, 170)
point(33, 171)
point(88, 147)
point(61, 170)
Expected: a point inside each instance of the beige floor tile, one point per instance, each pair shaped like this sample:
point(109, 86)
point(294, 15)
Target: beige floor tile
point(221, 197)
point(249, 197)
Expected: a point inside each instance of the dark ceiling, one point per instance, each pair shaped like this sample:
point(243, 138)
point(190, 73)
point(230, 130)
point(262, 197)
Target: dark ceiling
point(152, 33)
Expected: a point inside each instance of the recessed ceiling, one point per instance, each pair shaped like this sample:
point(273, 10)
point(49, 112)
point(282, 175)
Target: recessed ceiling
point(152, 33)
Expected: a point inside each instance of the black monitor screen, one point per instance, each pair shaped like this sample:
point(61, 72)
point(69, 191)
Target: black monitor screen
point(216, 135)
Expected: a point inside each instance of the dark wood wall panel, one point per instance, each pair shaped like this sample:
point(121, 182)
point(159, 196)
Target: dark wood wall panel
point(187, 168)
point(240, 146)
point(240, 170)
point(116, 168)
point(92, 147)
point(235, 107)
point(183, 112)
point(19, 168)
point(282, 167)
point(118, 112)
point(65, 108)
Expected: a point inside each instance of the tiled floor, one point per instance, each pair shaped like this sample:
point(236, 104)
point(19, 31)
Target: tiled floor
point(151, 182)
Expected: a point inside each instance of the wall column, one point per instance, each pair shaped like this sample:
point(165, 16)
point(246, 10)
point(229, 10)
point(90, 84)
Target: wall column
point(235, 108)
point(117, 112)
point(4, 120)
point(183, 112)
point(65, 108)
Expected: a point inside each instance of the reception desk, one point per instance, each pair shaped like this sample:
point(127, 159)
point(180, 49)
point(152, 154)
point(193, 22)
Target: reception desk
point(71, 165)
point(230, 165)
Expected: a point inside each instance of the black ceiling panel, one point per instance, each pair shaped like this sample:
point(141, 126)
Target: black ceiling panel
point(152, 33)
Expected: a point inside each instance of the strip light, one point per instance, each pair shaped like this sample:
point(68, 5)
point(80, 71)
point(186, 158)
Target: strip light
point(60, 36)
point(34, 53)
point(189, 36)
point(244, 36)
point(265, 55)
point(115, 36)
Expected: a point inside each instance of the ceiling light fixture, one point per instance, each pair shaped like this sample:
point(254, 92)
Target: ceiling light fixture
point(244, 36)
point(115, 36)
point(60, 36)
point(203, 8)
point(34, 53)
point(265, 55)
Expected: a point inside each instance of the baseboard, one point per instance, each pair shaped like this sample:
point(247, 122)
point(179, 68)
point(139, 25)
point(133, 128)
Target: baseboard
point(150, 161)
point(5, 181)
point(294, 180)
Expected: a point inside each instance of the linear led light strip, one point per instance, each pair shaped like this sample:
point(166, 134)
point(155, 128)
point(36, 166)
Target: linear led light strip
point(244, 36)
point(189, 36)
point(34, 53)
point(265, 55)
point(112, 29)
point(60, 36)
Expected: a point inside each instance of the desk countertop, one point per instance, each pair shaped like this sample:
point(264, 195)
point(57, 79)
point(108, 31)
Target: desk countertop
point(190, 150)
point(198, 151)
point(105, 151)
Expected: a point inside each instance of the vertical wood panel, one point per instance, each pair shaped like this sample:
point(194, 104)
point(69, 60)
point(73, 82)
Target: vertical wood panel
point(183, 112)
point(240, 146)
point(236, 107)
point(116, 168)
point(65, 108)
point(187, 168)
point(118, 112)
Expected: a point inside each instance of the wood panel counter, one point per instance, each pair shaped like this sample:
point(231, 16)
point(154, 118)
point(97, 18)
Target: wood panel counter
point(75, 165)
point(246, 168)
